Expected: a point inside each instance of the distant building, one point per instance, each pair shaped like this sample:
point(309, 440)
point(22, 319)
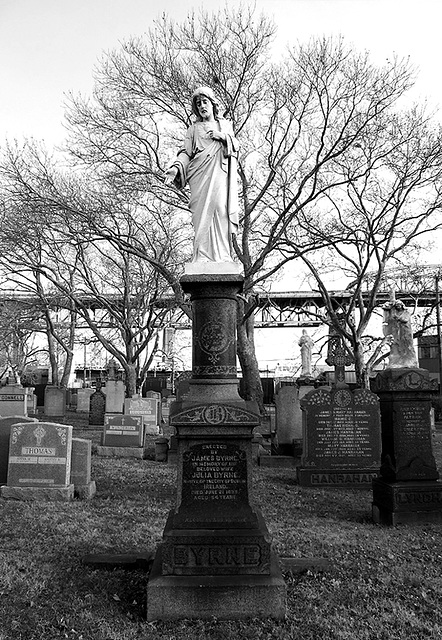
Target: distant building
point(428, 354)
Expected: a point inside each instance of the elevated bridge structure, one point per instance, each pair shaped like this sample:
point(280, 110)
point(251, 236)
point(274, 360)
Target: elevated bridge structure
point(273, 309)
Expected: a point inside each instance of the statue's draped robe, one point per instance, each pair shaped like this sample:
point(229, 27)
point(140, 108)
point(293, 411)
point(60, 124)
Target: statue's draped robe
point(209, 167)
point(397, 323)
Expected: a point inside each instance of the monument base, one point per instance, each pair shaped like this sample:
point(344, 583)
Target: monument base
point(120, 452)
point(338, 478)
point(85, 491)
point(407, 502)
point(54, 494)
point(228, 597)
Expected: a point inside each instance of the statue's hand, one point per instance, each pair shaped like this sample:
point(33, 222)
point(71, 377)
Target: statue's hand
point(217, 135)
point(170, 175)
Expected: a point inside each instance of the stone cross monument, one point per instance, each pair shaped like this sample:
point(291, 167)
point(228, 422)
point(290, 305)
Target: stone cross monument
point(337, 355)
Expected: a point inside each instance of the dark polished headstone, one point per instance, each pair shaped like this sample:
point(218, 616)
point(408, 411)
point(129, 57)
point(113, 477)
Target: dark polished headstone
point(97, 408)
point(341, 438)
point(123, 431)
point(408, 489)
point(216, 558)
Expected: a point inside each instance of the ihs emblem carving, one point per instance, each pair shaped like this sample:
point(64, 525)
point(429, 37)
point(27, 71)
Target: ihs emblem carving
point(39, 434)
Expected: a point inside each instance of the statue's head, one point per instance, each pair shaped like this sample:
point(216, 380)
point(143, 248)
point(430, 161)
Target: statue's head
point(208, 93)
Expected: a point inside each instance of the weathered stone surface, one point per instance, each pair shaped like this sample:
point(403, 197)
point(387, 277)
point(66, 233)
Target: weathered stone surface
point(342, 439)
point(83, 400)
point(216, 558)
point(5, 432)
point(214, 306)
point(121, 452)
point(85, 491)
point(97, 408)
point(13, 400)
point(161, 449)
point(407, 502)
point(40, 455)
point(147, 409)
point(115, 392)
point(288, 417)
point(81, 457)
point(408, 489)
point(29, 494)
point(123, 431)
point(81, 461)
point(230, 597)
point(55, 401)
point(407, 447)
point(156, 395)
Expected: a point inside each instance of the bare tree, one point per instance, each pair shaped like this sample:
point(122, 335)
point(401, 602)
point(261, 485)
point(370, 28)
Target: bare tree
point(19, 325)
point(50, 249)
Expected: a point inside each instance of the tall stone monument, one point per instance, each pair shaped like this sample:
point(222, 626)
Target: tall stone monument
point(216, 558)
point(408, 489)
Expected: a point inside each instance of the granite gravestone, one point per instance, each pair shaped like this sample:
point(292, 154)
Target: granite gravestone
point(84, 487)
point(408, 489)
point(97, 407)
point(157, 396)
point(182, 389)
point(288, 419)
point(342, 439)
point(55, 401)
point(84, 400)
point(39, 462)
point(147, 409)
point(13, 400)
point(31, 401)
point(115, 392)
point(341, 428)
point(5, 432)
point(123, 431)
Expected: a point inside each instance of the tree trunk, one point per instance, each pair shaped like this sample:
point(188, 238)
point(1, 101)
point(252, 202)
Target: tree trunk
point(247, 357)
point(52, 359)
point(67, 369)
point(361, 371)
point(131, 379)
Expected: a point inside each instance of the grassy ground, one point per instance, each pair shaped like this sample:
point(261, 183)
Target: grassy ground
point(382, 582)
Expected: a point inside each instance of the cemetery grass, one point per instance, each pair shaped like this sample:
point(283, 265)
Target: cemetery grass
point(380, 582)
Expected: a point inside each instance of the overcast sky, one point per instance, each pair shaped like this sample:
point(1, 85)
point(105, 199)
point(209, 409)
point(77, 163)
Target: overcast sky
point(50, 47)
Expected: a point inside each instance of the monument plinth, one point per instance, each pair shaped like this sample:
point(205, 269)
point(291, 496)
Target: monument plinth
point(216, 558)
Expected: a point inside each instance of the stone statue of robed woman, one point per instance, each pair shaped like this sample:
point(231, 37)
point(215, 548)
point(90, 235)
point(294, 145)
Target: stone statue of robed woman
point(207, 162)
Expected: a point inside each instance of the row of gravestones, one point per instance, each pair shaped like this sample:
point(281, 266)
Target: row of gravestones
point(41, 460)
point(361, 439)
point(148, 409)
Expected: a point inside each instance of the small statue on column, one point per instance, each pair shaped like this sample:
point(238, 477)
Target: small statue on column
point(397, 326)
point(306, 344)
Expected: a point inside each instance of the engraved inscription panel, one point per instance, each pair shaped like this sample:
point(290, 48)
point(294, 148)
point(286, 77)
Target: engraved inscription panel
point(214, 472)
point(341, 431)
